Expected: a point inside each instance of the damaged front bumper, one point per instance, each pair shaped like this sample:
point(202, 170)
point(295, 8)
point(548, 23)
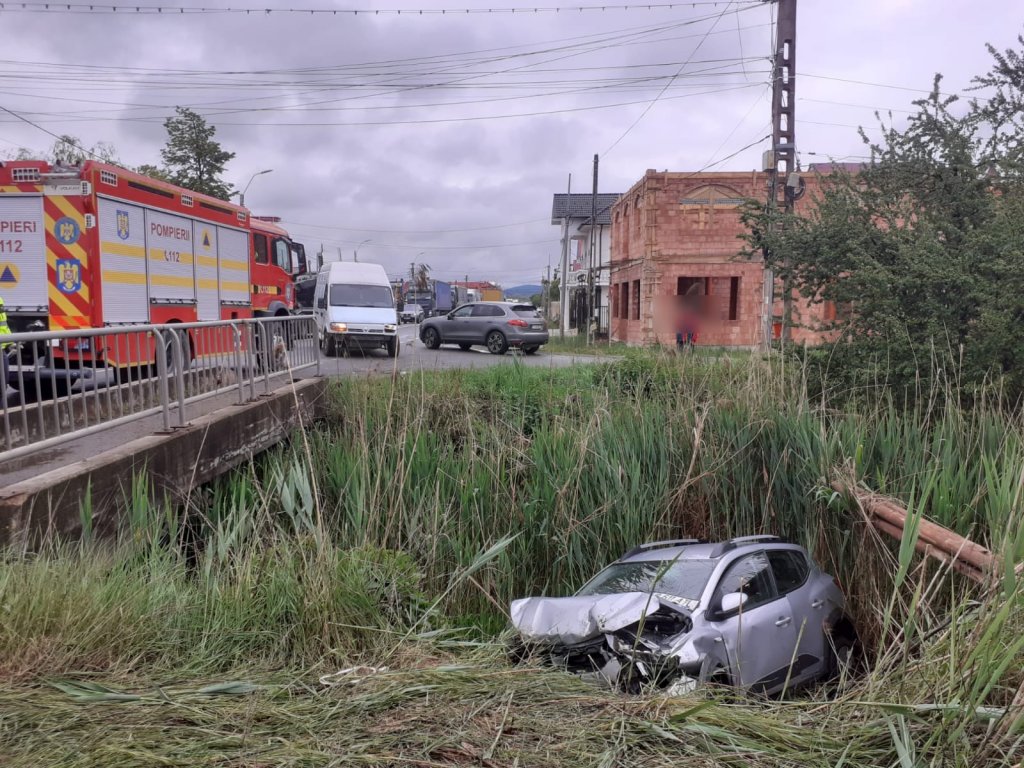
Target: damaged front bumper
point(629, 641)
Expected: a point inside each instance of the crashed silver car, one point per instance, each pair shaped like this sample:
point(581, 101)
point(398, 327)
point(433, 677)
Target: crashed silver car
point(754, 612)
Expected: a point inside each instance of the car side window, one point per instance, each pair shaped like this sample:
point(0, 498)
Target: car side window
point(789, 568)
point(750, 575)
point(463, 311)
point(486, 310)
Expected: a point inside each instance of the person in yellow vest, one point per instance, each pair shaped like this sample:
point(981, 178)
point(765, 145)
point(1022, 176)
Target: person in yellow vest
point(5, 330)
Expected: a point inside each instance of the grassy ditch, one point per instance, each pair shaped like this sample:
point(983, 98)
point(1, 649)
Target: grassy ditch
point(394, 536)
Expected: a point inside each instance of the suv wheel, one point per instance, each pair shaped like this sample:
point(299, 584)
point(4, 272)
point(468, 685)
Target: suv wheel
point(431, 339)
point(497, 344)
point(530, 350)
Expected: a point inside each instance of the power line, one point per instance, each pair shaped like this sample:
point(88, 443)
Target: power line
point(654, 101)
point(65, 139)
point(171, 10)
point(426, 121)
point(414, 231)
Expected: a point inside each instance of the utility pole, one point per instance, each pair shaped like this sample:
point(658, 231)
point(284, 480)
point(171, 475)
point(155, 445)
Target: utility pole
point(589, 303)
point(784, 141)
point(563, 304)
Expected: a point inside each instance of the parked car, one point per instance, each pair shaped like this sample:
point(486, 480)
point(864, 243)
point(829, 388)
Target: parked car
point(411, 313)
point(754, 612)
point(497, 325)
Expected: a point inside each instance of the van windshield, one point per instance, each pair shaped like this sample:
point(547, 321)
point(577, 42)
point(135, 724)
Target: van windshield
point(342, 295)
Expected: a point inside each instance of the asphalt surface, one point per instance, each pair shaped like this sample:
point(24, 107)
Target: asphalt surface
point(413, 356)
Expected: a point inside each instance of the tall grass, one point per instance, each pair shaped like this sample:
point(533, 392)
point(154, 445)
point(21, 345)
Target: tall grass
point(425, 503)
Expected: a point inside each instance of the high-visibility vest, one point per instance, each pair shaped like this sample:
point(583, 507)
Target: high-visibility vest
point(5, 329)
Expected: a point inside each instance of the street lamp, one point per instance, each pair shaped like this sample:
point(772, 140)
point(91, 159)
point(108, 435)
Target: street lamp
point(355, 253)
point(241, 195)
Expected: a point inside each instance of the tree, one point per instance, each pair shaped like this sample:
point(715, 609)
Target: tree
point(69, 150)
point(153, 172)
point(422, 281)
point(192, 158)
point(923, 246)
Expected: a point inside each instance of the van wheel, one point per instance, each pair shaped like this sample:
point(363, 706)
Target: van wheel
point(431, 339)
point(496, 343)
point(329, 347)
point(393, 347)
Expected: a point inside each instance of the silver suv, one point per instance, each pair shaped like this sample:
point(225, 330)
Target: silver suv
point(497, 325)
point(754, 612)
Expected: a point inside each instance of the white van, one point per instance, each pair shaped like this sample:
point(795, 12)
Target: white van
point(355, 308)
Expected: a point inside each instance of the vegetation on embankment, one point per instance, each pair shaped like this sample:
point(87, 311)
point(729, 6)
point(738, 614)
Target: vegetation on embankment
point(434, 499)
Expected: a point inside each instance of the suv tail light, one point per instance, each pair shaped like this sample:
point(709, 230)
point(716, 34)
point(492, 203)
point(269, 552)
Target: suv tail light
point(519, 323)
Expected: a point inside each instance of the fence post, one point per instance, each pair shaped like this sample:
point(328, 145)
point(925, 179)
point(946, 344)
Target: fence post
point(161, 377)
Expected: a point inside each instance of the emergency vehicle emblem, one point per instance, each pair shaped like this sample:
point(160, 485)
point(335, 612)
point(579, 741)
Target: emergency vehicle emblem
point(69, 275)
point(123, 224)
point(67, 230)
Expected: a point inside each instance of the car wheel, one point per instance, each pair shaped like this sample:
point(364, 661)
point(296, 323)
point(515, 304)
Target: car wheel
point(431, 339)
point(497, 344)
point(840, 650)
point(465, 347)
point(530, 350)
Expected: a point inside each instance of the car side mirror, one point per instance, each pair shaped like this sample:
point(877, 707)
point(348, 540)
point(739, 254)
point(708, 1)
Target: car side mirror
point(733, 601)
point(450, 315)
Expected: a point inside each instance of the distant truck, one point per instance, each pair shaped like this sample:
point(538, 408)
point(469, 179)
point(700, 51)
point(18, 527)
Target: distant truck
point(443, 298)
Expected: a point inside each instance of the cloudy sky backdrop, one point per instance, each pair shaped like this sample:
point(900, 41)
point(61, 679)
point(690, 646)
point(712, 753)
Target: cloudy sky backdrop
point(441, 138)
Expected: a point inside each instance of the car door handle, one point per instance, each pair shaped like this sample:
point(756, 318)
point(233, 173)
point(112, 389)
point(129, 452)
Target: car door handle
point(783, 621)
point(817, 603)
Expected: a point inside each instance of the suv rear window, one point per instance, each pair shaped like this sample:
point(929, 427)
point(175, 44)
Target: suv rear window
point(526, 310)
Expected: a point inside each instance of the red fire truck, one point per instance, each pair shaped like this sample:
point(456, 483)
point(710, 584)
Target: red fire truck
point(96, 245)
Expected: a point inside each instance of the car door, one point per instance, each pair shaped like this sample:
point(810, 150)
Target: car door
point(791, 572)
point(486, 317)
point(455, 328)
point(759, 636)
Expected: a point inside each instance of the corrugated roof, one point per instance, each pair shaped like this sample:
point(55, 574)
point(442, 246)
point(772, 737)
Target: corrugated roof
point(578, 206)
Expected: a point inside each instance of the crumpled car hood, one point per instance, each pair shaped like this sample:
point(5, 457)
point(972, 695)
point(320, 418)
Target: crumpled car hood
point(573, 620)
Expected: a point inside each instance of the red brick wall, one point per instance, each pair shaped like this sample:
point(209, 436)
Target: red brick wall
point(672, 225)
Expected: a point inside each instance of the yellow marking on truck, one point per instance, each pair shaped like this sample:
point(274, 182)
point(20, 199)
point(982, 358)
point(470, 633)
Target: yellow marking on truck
point(123, 249)
point(172, 281)
point(159, 254)
point(208, 284)
point(124, 278)
point(231, 285)
point(239, 266)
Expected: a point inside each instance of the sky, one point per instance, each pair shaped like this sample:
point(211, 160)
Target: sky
point(439, 138)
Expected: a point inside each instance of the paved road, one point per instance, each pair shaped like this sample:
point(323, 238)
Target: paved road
point(413, 356)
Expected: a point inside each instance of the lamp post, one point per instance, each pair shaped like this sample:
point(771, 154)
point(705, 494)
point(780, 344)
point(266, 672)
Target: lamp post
point(241, 195)
point(355, 253)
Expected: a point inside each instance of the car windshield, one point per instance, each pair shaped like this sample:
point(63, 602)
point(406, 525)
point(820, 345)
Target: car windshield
point(411, 307)
point(526, 310)
point(343, 295)
point(681, 578)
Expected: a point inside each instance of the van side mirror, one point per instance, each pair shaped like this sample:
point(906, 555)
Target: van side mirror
point(733, 601)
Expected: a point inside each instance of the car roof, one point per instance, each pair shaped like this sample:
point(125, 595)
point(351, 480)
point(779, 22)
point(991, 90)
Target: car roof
point(703, 550)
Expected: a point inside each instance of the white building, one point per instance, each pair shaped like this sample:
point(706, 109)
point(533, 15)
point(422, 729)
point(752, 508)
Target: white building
point(586, 256)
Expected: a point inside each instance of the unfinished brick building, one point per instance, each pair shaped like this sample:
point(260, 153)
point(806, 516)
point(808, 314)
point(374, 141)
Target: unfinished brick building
point(678, 234)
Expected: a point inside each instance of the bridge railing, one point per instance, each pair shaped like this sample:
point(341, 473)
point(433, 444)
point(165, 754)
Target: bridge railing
point(66, 384)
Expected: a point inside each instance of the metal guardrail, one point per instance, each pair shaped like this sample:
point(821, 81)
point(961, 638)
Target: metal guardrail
point(67, 384)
